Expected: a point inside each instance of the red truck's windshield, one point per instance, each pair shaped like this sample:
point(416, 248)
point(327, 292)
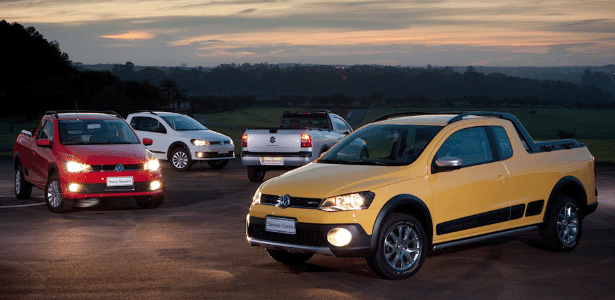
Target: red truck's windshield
point(89, 132)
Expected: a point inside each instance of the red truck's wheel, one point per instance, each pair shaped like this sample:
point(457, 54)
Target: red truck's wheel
point(23, 189)
point(53, 196)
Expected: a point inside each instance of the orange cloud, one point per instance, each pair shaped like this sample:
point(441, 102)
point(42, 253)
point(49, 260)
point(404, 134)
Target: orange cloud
point(135, 35)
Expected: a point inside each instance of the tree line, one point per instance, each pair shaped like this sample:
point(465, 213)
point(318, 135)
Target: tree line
point(37, 76)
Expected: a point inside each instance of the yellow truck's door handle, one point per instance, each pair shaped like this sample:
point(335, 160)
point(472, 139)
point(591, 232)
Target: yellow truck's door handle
point(502, 178)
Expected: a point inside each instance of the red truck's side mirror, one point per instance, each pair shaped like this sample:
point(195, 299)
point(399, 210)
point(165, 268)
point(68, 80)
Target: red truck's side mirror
point(43, 143)
point(147, 141)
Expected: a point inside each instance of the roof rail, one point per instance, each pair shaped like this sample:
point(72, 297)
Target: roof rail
point(56, 112)
point(146, 111)
point(306, 111)
point(415, 113)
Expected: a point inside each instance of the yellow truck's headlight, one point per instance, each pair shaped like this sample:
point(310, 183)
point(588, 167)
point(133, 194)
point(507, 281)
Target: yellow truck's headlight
point(354, 201)
point(75, 167)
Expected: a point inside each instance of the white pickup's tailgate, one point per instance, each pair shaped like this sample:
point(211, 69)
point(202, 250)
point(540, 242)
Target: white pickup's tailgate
point(281, 140)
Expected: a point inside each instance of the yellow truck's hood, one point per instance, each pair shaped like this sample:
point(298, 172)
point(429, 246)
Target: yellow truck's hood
point(319, 180)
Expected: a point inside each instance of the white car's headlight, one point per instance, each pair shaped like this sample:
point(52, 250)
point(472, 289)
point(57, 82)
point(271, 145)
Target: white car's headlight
point(232, 144)
point(354, 201)
point(75, 167)
point(152, 165)
point(200, 142)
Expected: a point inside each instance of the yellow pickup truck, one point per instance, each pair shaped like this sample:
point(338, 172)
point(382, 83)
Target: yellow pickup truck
point(404, 185)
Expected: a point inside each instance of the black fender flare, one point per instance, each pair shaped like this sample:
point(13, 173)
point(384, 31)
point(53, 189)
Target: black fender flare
point(405, 203)
point(570, 186)
point(175, 145)
point(16, 160)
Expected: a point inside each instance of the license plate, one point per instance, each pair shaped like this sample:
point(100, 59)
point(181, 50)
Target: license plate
point(272, 161)
point(286, 226)
point(120, 181)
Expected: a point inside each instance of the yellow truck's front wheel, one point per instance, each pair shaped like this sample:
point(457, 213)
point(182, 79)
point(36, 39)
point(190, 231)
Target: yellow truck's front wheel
point(401, 247)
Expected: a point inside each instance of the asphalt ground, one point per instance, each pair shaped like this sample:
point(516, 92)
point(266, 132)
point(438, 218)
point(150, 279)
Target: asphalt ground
point(194, 247)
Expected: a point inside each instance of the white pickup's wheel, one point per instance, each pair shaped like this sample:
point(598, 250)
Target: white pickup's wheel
point(256, 174)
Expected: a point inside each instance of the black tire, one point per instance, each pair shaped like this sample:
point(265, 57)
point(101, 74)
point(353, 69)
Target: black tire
point(364, 154)
point(149, 202)
point(256, 174)
point(287, 258)
point(401, 247)
point(181, 160)
point(23, 189)
point(218, 164)
point(53, 196)
point(563, 228)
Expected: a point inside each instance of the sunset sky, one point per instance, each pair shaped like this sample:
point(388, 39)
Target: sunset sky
point(406, 33)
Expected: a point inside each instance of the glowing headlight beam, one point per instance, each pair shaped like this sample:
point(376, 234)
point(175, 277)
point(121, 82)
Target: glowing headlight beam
point(354, 201)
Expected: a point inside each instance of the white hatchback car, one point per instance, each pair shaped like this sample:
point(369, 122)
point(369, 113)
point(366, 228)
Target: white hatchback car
point(182, 139)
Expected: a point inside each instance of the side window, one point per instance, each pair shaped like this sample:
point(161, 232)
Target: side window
point(471, 145)
point(147, 124)
point(501, 138)
point(46, 131)
point(340, 126)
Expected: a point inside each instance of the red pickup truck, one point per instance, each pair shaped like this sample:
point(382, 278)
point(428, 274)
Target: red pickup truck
point(76, 156)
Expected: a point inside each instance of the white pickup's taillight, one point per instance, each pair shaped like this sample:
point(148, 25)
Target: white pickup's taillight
point(244, 140)
point(306, 140)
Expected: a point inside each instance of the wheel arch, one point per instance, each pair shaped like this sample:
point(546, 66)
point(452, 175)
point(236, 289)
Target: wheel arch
point(408, 204)
point(16, 160)
point(567, 186)
point(176, 145)
point(53, 169)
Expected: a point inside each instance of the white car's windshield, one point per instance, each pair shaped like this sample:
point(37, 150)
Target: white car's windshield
point(183, 123)
point(377, 144)
point(88, 132)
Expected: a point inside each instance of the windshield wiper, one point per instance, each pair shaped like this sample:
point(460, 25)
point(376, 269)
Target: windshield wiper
point(350, 162)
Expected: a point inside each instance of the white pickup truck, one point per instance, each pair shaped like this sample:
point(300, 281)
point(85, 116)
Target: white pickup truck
point(301, 137)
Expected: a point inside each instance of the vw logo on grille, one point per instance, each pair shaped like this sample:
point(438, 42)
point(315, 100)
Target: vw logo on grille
point(284, 201)
point(272, 139)
point(119, 168)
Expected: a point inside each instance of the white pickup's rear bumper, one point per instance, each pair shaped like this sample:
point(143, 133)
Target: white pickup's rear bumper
point(277, 159)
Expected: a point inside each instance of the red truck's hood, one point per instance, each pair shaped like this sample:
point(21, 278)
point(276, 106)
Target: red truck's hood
point(107, 154)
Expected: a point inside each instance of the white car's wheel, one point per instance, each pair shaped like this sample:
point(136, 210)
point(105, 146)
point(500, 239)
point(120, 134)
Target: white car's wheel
point(180, 159)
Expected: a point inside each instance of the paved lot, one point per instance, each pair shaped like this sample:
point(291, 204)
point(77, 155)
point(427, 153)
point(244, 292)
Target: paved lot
point(194, 247)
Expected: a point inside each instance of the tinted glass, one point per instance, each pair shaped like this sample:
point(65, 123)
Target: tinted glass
point(47, 131)
point(501, 138)
point(391, 145)
point(295, 121)
point(340, 126)
point(88, 132)
point(147, 124)
point(183, 123)
point(471, 145)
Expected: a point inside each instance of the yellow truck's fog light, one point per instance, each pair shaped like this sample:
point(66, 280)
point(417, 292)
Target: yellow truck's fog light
point(74, 187)
point(154, 185)
point(339, 237)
